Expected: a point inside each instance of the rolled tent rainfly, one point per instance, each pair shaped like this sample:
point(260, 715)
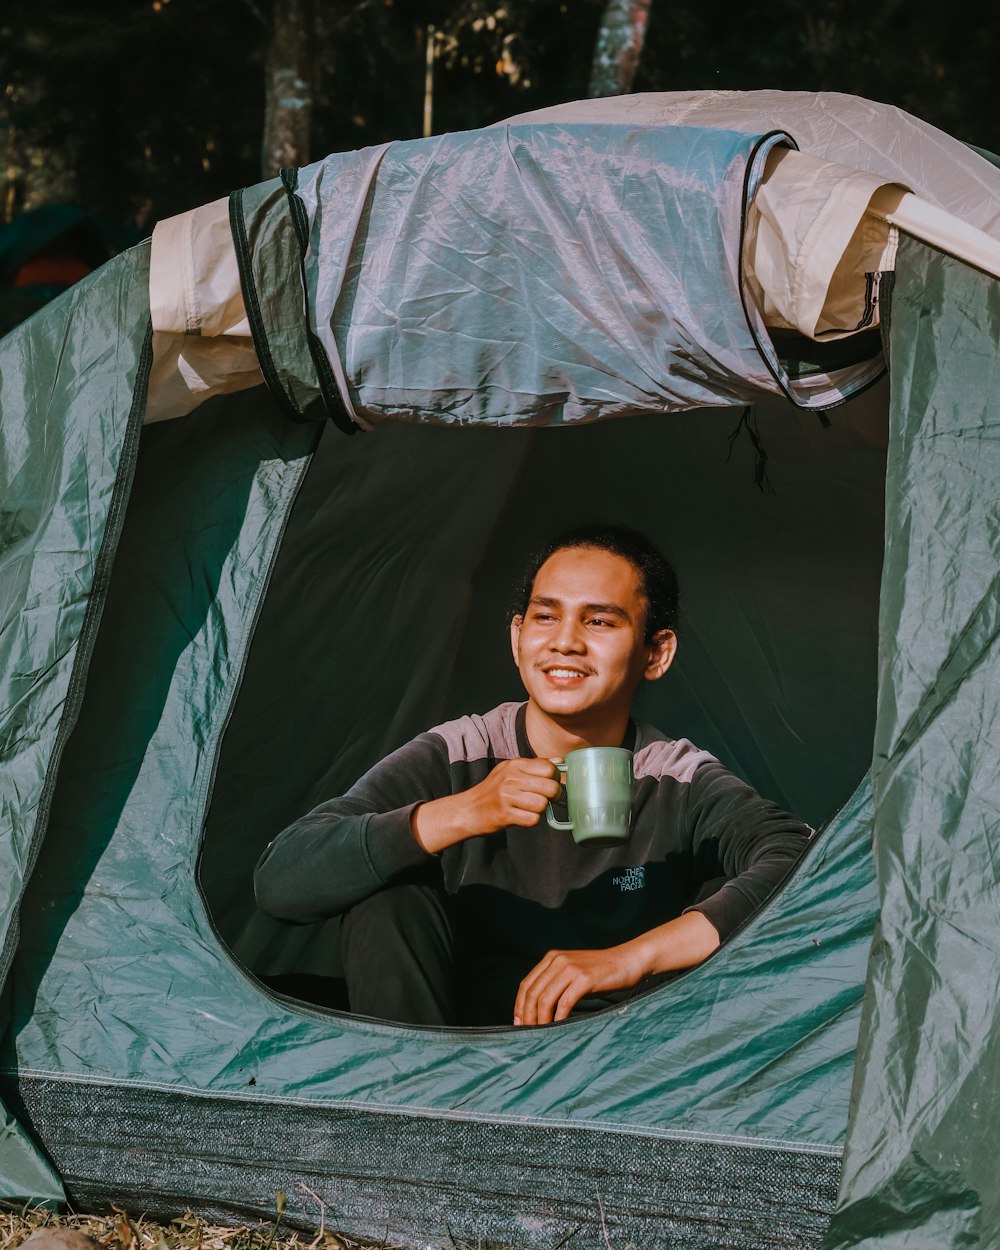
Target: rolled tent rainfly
point(218, 609)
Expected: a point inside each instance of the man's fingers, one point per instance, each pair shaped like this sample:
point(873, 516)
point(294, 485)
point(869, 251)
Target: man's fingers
point(559, 982)
point(569, 998)
point(533, 784)
point(529, 800)
point(533, 799)
point(539, 767)
point(525, 991)
point(550, 991)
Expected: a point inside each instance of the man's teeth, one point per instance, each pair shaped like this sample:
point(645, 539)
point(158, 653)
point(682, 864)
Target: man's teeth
point(564, 672)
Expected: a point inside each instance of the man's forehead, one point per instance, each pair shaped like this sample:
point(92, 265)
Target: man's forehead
point(589, 576)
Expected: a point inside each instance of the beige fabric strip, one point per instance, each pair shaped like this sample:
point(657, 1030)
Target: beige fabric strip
point(201, 336)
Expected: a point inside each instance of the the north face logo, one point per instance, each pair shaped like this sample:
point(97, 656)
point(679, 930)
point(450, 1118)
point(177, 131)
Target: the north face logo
point(630, 879)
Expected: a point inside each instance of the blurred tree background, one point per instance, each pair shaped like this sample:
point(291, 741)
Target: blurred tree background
point(138, 109)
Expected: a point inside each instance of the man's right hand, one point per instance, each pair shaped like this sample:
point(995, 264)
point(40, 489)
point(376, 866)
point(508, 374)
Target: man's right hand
point(515, 793)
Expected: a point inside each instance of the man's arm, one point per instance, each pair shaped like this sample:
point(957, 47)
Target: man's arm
point(350, 847)
point(394, 819)
point(515, 792)
point(751, 840)
point(554, 986)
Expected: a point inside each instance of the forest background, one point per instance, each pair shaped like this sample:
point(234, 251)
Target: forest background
point(139, 109)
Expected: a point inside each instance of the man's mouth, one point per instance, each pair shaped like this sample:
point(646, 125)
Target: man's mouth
point(564, 674)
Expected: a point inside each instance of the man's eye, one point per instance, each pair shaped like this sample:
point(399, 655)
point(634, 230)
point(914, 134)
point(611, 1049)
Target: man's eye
point(599, 620)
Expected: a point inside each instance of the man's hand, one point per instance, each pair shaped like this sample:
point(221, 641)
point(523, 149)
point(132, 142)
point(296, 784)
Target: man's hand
point(553, 987)
point(515, 793)
point(556, 984)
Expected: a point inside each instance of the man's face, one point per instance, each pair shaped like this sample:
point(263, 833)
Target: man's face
point(580, 646)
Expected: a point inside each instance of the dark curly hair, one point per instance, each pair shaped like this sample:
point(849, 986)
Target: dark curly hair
point(656, 574)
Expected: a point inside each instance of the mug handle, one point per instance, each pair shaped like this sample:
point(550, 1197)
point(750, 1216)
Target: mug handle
point(553, 823)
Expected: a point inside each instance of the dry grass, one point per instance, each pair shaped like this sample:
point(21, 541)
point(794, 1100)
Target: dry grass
point(120, 1231)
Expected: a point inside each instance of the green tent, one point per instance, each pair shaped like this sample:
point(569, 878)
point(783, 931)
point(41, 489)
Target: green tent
point(210, 622)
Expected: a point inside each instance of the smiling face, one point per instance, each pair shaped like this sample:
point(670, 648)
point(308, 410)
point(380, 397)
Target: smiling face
point(581, 650)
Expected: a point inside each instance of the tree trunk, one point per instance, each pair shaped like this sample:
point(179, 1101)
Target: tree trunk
point(288, 99)
point(619, 47)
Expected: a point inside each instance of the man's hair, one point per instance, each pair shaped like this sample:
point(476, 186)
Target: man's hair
point(657, 578)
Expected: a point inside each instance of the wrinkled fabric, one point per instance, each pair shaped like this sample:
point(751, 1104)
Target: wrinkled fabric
point(920, 1164)
point(861, 134)
point(125, 996)
point(129, 983)
point(68, 378)
point(542, 275)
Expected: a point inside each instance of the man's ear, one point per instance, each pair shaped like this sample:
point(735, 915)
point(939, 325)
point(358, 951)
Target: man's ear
point(661, 652)
point(515, 636)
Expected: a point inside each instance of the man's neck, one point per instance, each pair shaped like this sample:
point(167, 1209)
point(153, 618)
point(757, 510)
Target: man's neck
point(554, 739)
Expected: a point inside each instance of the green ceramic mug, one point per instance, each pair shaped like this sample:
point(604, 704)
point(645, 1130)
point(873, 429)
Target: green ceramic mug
point(599, 789)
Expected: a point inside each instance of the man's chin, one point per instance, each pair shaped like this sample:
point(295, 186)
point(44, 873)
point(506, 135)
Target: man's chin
point(563, 706)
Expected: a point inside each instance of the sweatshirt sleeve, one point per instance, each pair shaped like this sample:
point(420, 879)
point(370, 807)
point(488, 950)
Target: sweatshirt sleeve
point(348, 848)
point(753, 842)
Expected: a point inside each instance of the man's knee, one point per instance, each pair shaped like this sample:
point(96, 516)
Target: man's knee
point(399, 955)
point(398, 918)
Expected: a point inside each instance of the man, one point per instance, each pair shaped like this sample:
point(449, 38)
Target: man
point(460, 903)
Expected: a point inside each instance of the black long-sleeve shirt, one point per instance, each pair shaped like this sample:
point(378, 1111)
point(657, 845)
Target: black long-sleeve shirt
point(701, 838)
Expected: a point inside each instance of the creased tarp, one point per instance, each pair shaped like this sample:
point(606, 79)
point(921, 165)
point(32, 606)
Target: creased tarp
point(541, 275)
point(816, 229)
point(790, 576)
point(858, 133)
point(129, 982)
point(920, 1166)
point(66, 389)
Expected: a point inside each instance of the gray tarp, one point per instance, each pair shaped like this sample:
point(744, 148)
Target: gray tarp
point(711, 1113)
point(542, 274)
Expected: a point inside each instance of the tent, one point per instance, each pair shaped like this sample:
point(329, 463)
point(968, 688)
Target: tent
point(648, 309)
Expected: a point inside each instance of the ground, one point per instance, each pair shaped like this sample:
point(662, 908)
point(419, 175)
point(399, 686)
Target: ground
point(119, 1231)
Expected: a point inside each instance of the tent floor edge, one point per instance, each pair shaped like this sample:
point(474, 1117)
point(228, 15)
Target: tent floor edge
point(525, 1185)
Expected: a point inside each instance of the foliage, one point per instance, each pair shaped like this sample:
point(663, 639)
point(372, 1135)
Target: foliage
point(149, 107)
point(143, 108)
point(919, 55)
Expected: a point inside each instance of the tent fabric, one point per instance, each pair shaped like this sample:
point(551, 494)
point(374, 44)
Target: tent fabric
point(816, 229)
point(917, 1171)
point(201, 335)
point(63, 500)
point(847, 130)
point(813, 212)
point(811, 246)
point(619, 292)
point(163, 1017)
point(194, 279)
point(317, 599)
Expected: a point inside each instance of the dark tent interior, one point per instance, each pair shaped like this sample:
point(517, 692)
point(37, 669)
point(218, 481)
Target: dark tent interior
point(388, 607)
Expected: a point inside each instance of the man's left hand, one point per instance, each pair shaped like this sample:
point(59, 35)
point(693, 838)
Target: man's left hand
point(556, 984)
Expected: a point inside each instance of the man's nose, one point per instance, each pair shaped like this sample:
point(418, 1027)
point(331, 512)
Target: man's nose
point(568, 637)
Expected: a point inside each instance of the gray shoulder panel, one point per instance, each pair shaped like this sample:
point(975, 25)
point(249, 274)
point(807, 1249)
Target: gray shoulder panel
point(477, 737)
point(668, 758)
